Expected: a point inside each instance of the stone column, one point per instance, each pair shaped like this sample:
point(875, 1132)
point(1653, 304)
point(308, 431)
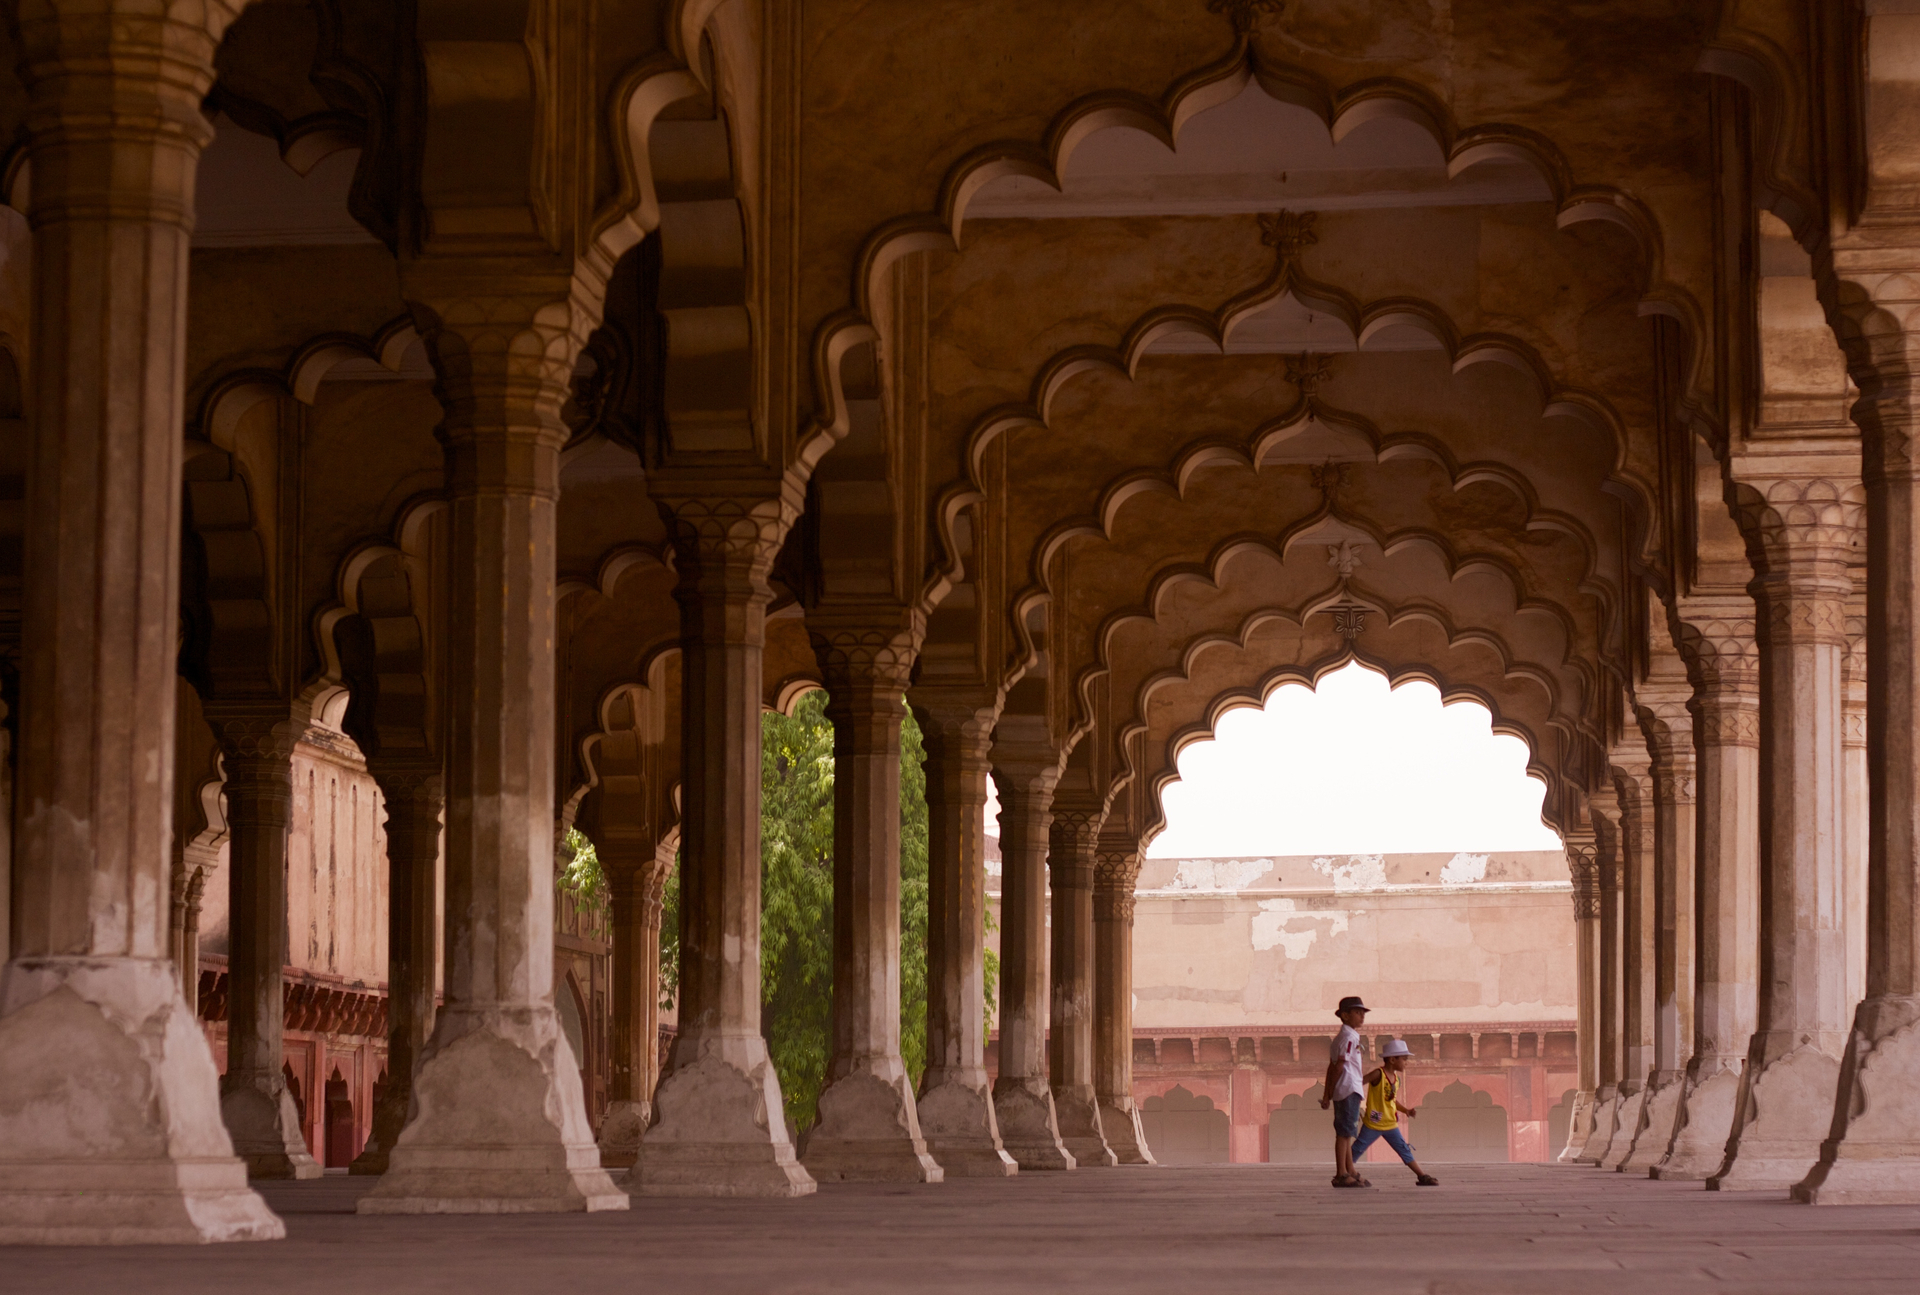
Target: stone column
point(1025, 770)
point(631, 866)
point(1857, 812)
point(1116, 867)
point(1610, 986)
point(867, 1126)
point(414, 795)
point(1583, 862)
point(719, 1127)
point(1804, 534)
point(956, 1098)
point(1669, 732)
point(1639, 922)
point(90, 1002)
point(1076, 1104)
point(1726, 727)
point(499, 1121)
point(254, 1100)
point(1871, 1154)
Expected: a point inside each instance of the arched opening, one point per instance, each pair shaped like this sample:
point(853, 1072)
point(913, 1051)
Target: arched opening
point(1185, 1128)
point(341, 1148)
point(1359, 839)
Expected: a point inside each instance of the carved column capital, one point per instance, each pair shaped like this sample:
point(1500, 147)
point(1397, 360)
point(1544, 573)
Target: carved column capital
point(1583, 862)
point(1070, 843)
point(725, 544)
point(858, 646)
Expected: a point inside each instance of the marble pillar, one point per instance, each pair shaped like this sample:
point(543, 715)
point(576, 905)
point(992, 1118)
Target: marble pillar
point(1726, 727)
point(254, 1099)
point(868, 1127)
point(1024, 773)
point(1076, 1103)
point(415, 794)
point(1806, 531)
point(1871, 1152)
point(635, 879)
point(1115, 870)
point(1857, 809)
point(1609, 987)
point(1583, 863)
point(1669, 731)
point(499, 1122)
point(93, 1026)
point(1639, 924)
point(719, 1125)
point(956, 1098)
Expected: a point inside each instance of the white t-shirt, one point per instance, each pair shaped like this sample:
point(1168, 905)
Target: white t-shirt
point(1352, 1058)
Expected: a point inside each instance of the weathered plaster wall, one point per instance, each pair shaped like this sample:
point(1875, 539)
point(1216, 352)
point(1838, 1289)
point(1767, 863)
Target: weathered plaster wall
point(1422, 937)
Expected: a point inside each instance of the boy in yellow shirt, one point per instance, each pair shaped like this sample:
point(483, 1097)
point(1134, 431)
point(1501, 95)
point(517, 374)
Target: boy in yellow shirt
point(1380, 1113)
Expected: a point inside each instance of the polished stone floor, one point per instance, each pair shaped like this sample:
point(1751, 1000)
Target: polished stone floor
point(1488, 1228)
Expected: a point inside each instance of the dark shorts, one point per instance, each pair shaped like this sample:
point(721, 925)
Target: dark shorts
point(1346, 1116)
point(1392, 1137)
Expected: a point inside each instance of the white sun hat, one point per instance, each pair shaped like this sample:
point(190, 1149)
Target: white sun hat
point(1396, 1048)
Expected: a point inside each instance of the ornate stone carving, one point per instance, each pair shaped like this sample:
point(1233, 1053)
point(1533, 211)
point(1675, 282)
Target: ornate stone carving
point(1245, 15)
point(1288, 233)
point(1583, 861)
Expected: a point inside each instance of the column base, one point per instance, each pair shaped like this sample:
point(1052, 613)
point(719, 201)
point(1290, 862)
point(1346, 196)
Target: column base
point(1872, 1156)
point(264, 1124)
point(1662, 1108)
point(1626, 1129)
point(1785, 1112)
point(389, 1118)
point(1028, 1129)
point(496, 1127)
point(1120, 1121)
point(621, 1130)
point(956, 1119)
point(1579, 1127)
point(867, 1130)
point(110, 1130)
point(1704, 1120)
point(1605, 1120)
point(1076, 1111)
point(720, 1129)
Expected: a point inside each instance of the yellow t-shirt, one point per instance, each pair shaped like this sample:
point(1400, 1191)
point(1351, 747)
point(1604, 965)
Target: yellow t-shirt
point(1380, 1112)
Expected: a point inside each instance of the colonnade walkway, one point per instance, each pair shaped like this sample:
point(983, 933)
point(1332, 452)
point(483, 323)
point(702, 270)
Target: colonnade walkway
point(1488, 1228)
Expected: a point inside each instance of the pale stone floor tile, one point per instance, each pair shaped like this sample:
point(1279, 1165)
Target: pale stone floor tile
point(1490, 1230)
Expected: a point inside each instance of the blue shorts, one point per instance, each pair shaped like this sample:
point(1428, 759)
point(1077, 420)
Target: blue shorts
point(1392, 1137)
point(1346, 1116)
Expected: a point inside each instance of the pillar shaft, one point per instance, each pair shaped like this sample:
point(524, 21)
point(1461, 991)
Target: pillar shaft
point(1639, 923)
point(254, 1098)
point(1726, 727)
point(635, 877)
point(1871, 1152)
point(1076, 1104)
point(1022, 1095)
point(1793, 1062)
point(1669, 734)
point(499, 1120)
point(868, 1127)
point(1610, 985)
point(1583, 863)
point(1116, 868)
point(414, 798)
point(719, 1127)
point(956, 1100)
point(90, 1002)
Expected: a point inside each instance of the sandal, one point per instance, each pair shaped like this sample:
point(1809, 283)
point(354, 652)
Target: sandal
point(1341, 1180)
point(1428, 1180)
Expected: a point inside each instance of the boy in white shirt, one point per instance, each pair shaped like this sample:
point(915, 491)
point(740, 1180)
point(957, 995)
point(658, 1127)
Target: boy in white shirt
point(1343, 1090)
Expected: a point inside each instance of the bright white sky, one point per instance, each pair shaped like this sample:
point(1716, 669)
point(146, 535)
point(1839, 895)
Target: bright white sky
point(1354, 768)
